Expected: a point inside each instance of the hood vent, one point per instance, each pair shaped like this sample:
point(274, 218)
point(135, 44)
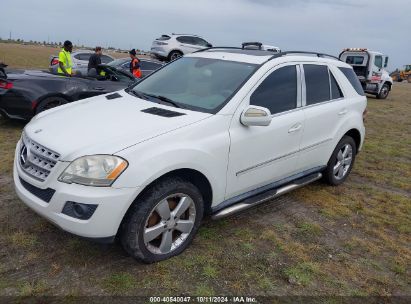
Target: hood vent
point(113, 96)
point(162, 112)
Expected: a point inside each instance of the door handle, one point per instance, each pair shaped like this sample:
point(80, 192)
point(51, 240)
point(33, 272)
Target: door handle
point(99, 88)
point(343, 112)
point(295, 128)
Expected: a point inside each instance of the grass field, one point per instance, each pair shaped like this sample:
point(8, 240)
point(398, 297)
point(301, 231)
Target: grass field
point(32, 56)
point(348, 240)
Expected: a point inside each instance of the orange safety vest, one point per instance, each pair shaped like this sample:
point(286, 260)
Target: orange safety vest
point(135, 68)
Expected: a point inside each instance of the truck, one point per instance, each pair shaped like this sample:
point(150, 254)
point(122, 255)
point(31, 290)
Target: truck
point(370, 68)
point(404, 74)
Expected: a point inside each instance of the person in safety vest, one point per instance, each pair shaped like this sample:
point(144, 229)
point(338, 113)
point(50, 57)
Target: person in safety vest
point(65, 63)
point(94, 62)
point(134, 64)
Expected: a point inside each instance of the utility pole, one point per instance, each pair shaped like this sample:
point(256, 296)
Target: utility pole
point(10, 36)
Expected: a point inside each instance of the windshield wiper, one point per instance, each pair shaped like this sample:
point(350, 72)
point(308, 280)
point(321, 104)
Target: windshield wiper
point(165, 99)
point(137, 94)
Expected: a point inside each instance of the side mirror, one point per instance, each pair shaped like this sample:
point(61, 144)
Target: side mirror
point(255, 116)
point(209, 45)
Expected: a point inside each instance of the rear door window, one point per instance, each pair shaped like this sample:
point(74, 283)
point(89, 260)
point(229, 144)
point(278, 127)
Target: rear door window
point(278, 92)
point(353, 79)
point(199, 41)
point(185, 39)
point(317, 83)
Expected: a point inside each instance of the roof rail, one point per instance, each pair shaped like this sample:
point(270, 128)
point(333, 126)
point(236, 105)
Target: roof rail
point(303, 52)
point(277, 55)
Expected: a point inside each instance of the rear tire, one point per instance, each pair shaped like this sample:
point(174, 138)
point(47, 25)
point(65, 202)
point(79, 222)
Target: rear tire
point(49, 103)
point(163, 221)
point(384, 91)
point(341, 161)
point(174, 55)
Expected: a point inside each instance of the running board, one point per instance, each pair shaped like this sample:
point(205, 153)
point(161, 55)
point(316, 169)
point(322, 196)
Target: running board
point(265, 196)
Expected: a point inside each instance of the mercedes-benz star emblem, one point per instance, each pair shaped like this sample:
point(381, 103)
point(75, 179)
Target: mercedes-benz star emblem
point(23, 155)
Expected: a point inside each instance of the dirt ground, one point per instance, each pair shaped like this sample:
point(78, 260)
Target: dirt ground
point(351, 240)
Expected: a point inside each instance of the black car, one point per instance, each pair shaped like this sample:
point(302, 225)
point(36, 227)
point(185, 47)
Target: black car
point(23, 94)
point(147, 66)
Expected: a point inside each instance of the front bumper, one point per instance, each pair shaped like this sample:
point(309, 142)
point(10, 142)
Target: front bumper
point(112, 203)
point(159, 51)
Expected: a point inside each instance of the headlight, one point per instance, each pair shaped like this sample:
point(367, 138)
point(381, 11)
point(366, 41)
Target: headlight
point(96, 170)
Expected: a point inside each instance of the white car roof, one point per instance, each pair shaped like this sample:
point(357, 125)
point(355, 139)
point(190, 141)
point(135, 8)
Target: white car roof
point(260, 57)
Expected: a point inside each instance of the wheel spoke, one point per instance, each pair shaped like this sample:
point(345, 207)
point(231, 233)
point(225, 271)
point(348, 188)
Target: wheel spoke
point(347, 161)
point(182, 206)
point(184, 226)
point(341, 172)
point(340, 156)
point(347, 151)
point(152, 232)
point(336, 168)
point(166, 241)
point(163, 209)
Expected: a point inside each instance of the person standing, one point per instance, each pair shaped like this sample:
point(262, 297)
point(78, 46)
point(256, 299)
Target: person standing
point(134, 64)
point(94, 61)
point(65, 63)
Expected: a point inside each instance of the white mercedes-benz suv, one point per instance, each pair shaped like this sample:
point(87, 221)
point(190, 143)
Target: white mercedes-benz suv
point(212, 133)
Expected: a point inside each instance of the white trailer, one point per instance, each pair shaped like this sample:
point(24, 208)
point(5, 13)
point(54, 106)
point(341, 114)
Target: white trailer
point(370, 69)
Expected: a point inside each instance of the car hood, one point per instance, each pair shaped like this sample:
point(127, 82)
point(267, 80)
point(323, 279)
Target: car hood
point(104, 126)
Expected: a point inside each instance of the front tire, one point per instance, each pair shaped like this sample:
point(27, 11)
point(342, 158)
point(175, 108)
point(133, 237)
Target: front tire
point(409, 78)
point(383, 92)
point(163, 221)
point(174, 55)
point(341, 161)
point(49, 103)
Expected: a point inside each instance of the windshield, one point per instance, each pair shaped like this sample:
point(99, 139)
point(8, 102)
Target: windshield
point(200, 84)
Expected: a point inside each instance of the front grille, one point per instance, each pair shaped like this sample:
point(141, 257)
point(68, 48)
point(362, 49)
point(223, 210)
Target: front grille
point(43, 194)
point(36, 160)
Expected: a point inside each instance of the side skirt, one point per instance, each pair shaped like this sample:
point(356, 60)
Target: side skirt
point(263, 194)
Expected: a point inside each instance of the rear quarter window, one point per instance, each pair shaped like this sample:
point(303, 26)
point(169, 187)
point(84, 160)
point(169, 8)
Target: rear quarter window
point(353, 79)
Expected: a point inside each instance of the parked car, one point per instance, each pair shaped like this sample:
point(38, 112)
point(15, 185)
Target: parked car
point(147, 66)
point(369, 66)
point(80, 61)
point(170, 47)
point(24, 94)
point(214, 132)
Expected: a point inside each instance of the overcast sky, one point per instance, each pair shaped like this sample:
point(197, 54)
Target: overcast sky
point(321, 25)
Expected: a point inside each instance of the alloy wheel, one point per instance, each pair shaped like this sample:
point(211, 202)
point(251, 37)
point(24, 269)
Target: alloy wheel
point(343, 163)
point(169, 223)
point(174, 56)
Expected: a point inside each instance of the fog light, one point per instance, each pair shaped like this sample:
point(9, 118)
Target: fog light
point(79, 210)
